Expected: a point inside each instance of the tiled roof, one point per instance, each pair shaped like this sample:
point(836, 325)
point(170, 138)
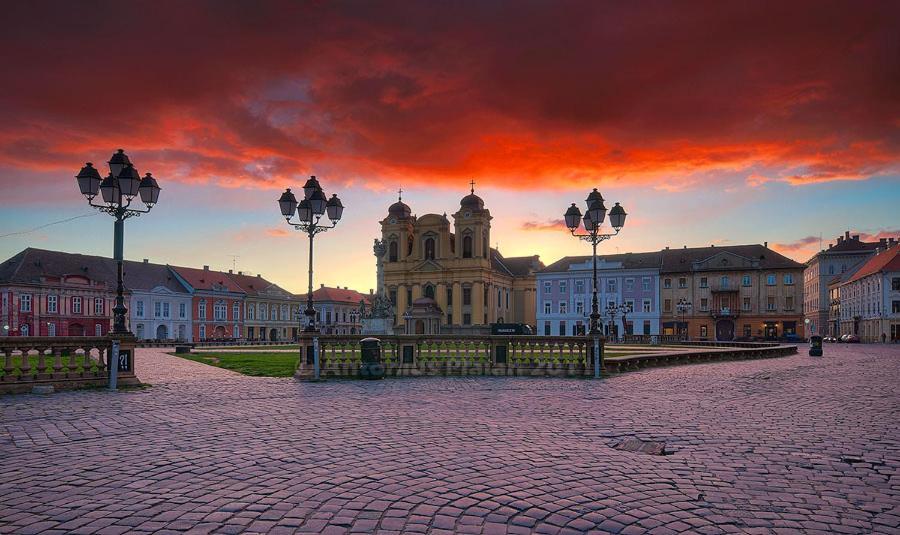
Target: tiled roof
point(254, 286)
point(886, 261)
point(628, 260)
point(205, 279)
point(515, 266)
point(146, 276)
point(680, 260)
point(30, 265)
point(339, 295)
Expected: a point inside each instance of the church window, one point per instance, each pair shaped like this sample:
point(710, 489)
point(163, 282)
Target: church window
point(449, 296)
point(429, 248)
point(409, 246)
point(467, 296)
point(393, 253)
point(467, 246)
point(429, 291)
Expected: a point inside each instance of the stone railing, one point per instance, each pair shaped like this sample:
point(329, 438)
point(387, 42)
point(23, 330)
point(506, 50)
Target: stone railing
point(415, 355)
point(61, 362)
point(652, 339)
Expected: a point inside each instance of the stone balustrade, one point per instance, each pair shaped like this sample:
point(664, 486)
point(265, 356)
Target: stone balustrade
point(61, 362)
point(416, 355)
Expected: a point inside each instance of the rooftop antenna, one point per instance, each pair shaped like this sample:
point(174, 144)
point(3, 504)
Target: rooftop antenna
point(234, 258)
point(820, 241)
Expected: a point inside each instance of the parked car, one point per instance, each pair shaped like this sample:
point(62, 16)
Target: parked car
point(852, 339)
point(829, 339)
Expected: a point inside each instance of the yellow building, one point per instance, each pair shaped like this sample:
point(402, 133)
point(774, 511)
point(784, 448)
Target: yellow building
point(472, 285)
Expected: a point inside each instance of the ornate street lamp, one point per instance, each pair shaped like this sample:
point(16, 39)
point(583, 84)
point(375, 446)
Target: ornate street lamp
point(117, 191)
point(682, 307)
point(593, 217)
point(309, 213)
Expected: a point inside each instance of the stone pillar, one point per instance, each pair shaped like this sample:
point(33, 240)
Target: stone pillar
point(416, 291)
point(402, 305)
point(441, 298)
point(457, 303)
point(478, 303)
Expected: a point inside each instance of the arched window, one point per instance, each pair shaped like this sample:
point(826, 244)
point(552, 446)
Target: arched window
point(429, 248)
point(409, 246)
point(393, 254)
point(467, 246)
point(429, 291)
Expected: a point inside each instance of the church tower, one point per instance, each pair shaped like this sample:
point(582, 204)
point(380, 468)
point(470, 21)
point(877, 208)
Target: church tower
point(472, 226)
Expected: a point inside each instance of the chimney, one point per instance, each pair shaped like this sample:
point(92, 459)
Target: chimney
point(685, 246)
point(840, 239)
point(846, 234)
point(766, 244)
point(146, 260)
point(321, 286)
point(371, 291)
point(856, 237)
point(345, 287)
point(230, 272)
point(259, 275)
point(205, 268)
point(240, 272)
point(882, 241)
point(667, 247)
point(712, 245)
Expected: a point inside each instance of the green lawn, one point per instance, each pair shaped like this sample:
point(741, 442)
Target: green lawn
point(256, 364)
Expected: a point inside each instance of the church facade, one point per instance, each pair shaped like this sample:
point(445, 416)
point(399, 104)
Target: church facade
point(443, 276)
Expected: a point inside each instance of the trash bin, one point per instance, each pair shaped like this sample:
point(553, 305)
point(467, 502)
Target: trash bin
point(815, 346)
point(371, 366)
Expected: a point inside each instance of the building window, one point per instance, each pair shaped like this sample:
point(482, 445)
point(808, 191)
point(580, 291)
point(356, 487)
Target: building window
point(610, 285)
point(770, 279)
point(645, 284)
point(467, 296)
point(788, 279)
point(98, 330)
point(507, 298)
point(746, 304)
point(76, 305)
point(236, 332)
point(579, 286)
point(563, 307)
point(704, 304)
point(789, 303)
point(546, 328)
point(704, 332)
point(748, 330)
point(667, 283)
point(547, 307)
point(429, 291)
point(203, 332)
point(562, 328)
point(52, 303)
point(393, 255)
point(429, 249)
point(467, 246)
point(467, 319)
point(704, 282)
point(629, 285)
point(139, 309)
point(25, 303)
point(895, 284)
point(724, 282)
point(236, 312)
point(157, 309)
point(563, 286)
point(449, 318)
point(579, 308)
point(166, 310)
point(667, 305)
point(251, 311)
point(645, 306)
point(895, 307)
point(182, 310)
point(220, 311)
point(98, 306)
point(745, 280)
point(140, 331)
point(682, 282)
point(449, 296)
point(408, 296)
point(392, 295)
point(201, 312)
point(770, 303)
point(548, 287)
point(51, 329)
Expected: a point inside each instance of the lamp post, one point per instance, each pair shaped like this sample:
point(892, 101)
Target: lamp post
point(117, 191)
point(309, 213)
point(683, 306)
point(593, 218)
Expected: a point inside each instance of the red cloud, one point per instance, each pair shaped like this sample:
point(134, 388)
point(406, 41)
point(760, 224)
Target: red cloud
point(554, 225)
point(439, 92)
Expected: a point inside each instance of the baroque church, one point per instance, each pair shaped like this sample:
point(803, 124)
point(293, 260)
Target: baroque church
point(444, 277)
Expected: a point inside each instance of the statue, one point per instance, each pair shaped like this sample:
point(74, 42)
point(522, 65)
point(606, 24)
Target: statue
point(378, 317)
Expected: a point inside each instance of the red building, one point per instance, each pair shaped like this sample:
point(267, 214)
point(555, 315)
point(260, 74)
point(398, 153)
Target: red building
point(217, 302)
point(51, 293)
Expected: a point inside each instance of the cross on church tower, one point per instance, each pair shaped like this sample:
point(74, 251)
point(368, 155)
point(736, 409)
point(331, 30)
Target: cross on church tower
point(472, 184)
point(400, 194)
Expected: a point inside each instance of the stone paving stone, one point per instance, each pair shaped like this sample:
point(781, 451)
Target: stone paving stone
point(788, 445)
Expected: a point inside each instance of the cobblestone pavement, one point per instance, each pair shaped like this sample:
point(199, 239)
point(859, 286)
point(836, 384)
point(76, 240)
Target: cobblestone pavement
point(795, 444)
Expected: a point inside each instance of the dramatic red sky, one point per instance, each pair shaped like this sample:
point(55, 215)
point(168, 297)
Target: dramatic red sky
point(525, 97)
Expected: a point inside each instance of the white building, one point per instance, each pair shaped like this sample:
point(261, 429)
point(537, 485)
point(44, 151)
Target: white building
point(870, 300)
point(159, 305)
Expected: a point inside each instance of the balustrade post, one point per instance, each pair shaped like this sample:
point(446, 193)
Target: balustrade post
point(57, 362)
point(8, 366)
point(25, 367)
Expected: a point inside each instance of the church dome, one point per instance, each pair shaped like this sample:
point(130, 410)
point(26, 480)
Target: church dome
point(472, 201)
point(399, 210)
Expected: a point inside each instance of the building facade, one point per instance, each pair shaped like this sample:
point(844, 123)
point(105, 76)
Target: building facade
point(868, 301)
point(564, 294)
point(270, 312)
point(338, 309)
point(734, 292)
point(217, 303)
point(159, 305)
point(822, 269)
point(472, 285)
point(50, 293)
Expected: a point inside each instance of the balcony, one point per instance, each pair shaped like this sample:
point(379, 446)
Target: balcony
point(724, 313)
point(724, 288)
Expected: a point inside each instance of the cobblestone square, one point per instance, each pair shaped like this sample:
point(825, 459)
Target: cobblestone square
point(786, 445)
